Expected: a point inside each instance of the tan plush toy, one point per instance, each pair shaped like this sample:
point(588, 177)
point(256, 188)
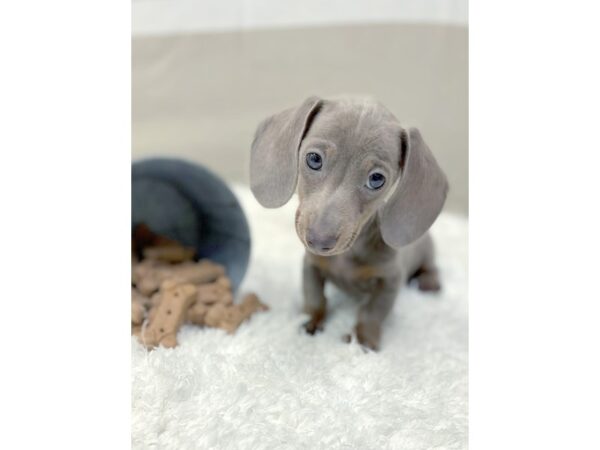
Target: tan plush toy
point(168, 316)
point(139, 304)
point(160, 248)
point(149, 274)
point(138, 307)
point(230, 317)
point(170, 289)
point(208, 295)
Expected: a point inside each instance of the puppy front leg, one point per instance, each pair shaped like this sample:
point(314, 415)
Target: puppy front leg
point(315, 303)
point(372, 314)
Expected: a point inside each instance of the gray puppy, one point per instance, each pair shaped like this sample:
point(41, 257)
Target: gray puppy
point(369, 190)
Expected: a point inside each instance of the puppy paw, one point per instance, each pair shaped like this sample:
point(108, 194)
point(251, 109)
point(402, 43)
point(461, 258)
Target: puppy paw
point(313, 326)
point(429, 282)
point(368, 335)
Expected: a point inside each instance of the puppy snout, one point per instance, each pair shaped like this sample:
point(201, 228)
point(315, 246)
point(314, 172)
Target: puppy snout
point(320, 242)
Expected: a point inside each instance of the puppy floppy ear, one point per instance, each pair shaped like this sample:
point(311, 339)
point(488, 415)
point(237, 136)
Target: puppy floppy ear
point(274, 154)
point(419, 195)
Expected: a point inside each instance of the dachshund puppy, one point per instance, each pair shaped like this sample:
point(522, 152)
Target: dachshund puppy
point(369, 190)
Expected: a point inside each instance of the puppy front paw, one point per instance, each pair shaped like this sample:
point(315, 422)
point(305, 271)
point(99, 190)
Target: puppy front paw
point(369, 335)
point(313, 326)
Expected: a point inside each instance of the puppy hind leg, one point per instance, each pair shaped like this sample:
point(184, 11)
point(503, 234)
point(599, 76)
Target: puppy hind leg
point(427, 278)
point(426, 275)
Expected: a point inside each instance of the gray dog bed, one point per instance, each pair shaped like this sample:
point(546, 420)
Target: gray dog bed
point(187, 202)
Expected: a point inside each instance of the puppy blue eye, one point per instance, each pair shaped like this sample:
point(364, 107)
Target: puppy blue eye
point(314, 161)
point(375, 181)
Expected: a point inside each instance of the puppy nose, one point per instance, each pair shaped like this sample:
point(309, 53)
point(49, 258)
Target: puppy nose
point(320, 242)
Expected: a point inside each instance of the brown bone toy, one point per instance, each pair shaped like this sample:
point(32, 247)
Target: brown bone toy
point(171, 253)
point(149, 275)
point(217, 292)
point(208, 295)
point(138, 310)
point(230, 317)
point(170, 289)
point(220, 313)
point(168, 316)
point(139, 304)
point(150, 245)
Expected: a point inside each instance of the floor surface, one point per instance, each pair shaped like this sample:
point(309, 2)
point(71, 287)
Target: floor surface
point(272, 386)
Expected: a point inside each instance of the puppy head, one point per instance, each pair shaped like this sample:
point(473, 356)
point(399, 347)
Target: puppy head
point(351, 160)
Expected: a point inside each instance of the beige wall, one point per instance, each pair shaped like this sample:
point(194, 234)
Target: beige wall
point(201, 96)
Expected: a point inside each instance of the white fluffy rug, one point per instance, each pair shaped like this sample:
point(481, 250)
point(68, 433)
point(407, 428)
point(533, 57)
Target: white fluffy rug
point(270, 386)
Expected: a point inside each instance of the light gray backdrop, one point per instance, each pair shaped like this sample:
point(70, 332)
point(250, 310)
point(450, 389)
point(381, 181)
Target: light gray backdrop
point(200, 93)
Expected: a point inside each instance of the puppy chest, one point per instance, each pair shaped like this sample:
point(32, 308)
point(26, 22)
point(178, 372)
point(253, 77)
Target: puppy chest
point(349, 274)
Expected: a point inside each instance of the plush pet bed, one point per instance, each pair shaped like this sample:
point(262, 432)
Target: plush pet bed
point(271, 386)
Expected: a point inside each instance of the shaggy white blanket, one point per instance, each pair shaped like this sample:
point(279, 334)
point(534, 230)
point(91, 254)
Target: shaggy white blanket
point(271, 386)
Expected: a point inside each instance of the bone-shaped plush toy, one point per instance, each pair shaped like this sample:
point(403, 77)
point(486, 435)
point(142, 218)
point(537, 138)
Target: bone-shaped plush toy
point(177, 290)
point(148, 275)
point(167, 317)
point(230, 317)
